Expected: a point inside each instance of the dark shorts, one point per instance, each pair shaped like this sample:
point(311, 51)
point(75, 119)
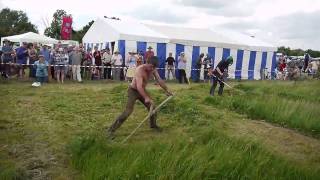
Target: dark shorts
point(21, 61)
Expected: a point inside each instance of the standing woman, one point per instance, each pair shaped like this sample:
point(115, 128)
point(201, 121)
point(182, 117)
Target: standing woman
point(32, 59)
point(61, 59)
point(132, 64)
point(182, 65)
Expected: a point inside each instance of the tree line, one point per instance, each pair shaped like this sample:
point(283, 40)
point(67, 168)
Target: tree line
point(14, 22)
point(297, 52)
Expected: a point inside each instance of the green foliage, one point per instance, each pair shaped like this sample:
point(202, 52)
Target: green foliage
point(78, 35)
point(54, 30)
point(14, 22)
point(298, 52)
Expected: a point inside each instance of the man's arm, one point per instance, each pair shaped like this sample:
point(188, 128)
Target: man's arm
point(161, 82)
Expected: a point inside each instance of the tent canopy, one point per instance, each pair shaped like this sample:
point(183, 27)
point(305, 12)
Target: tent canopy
point(108, 30)
point(31, 37)
point(194, 36)
point(252, 42)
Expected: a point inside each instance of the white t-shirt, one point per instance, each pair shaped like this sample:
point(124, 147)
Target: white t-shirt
point(117, 60)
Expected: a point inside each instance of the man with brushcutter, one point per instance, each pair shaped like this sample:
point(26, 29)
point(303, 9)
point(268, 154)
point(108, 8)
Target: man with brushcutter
point(217, 74)
point(137, 91)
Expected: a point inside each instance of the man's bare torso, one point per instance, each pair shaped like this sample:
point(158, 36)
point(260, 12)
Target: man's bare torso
point(144, 72)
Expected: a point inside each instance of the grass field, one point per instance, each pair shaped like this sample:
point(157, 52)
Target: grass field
point(260, 130)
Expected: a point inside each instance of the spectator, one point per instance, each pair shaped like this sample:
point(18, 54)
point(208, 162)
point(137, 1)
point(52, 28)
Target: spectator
point(76, 57)
point(87, 63)
point(41, 67)
point(116, 61)
point(148, 55)
point(206, 63)
point(106, 59)
point(170, 66)
point(45, 52)
point(198, 67)
point(97, 61)
point(22, 55)
point(306, 61)
point(61, 59)
point(131, 63)
point(7, 58)
point(282, 68)
point(182, 65)
point(140, 58)
point(32, 58)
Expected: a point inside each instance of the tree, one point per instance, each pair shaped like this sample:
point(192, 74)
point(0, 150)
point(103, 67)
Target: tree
point(14, 22)
point(78, 35)
point(55, 28)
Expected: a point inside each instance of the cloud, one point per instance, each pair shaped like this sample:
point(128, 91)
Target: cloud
point(162, 14)
point(222, 7)
point(299, 29)
point(1, 5)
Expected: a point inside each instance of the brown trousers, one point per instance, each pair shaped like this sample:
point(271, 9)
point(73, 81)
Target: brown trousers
point(133, 95)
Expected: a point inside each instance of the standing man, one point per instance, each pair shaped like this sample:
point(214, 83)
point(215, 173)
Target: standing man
point(137, 91)
point(97, 60)
point(182, 65)
point(206, 63)
point(306, 61)
point(7, 57)
point(170, 66)
point(116, 61)
point(148, 55)
point(106, 59)
point(198, 67)
point(217, 74)
point(22, 55)
point(76, 57)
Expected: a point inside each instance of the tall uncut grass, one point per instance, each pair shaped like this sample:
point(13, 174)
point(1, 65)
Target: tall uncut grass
point(294, 105)
point(209, 156)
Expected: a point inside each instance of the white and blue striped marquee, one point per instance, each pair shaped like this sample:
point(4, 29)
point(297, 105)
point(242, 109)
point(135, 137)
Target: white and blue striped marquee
point(248, 64)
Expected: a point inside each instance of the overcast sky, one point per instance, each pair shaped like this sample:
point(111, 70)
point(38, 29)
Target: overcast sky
point(294, 23)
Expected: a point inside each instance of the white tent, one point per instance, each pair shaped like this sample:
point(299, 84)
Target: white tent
point(30, 37)
point(109, 30)
point(251, 56)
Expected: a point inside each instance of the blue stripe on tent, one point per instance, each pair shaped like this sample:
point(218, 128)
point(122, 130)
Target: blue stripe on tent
point(122, 49)
point(212, 54)
point(252, 61)
point(179, 49)
point(239, 64)
point(195, 56)
point(107, 45)
point(225, 53)
point(263, 61)
point(161, 53)
point(273, 65)
point(142, 46)
point(85, 46)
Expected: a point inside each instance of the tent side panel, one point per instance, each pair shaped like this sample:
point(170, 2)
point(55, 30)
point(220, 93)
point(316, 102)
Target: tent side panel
point(194, 69)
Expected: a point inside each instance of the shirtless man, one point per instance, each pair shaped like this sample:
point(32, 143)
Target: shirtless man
point(137, 91)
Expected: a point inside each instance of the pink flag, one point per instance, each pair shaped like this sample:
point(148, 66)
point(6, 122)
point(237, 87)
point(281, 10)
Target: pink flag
point(66, 28)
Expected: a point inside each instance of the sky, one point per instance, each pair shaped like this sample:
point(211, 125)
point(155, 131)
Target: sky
point(294, 23)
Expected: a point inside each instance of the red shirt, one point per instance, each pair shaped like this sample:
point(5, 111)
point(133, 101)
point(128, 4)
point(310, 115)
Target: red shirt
point(148, 55)
point(282, 66)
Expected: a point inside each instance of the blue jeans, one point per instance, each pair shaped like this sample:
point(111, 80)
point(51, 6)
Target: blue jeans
point(42, 79)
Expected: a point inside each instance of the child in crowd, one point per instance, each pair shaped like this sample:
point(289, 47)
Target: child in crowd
point(41, 71)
